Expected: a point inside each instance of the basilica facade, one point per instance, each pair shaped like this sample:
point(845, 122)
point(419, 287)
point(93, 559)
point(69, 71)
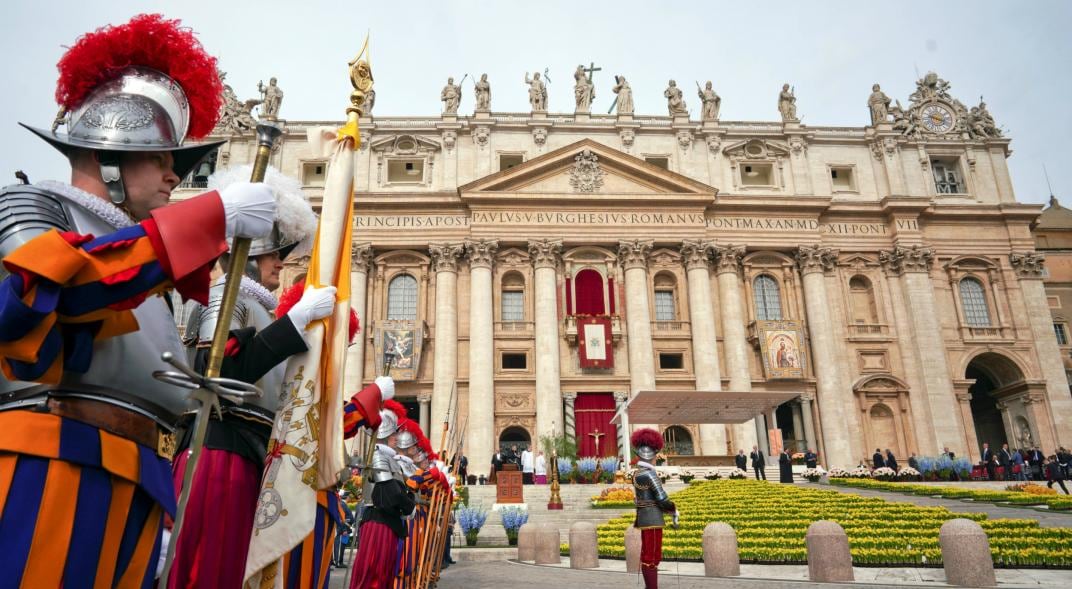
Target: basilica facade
point(529, 272)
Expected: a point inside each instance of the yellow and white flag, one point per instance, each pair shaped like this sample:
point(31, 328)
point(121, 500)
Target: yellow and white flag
point(306, 451)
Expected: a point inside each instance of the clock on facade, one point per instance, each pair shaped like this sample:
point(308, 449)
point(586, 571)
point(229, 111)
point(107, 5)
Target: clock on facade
point(936, 118)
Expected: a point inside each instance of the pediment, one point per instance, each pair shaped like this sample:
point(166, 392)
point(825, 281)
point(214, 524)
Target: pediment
point(404, 144)
point(587, 170)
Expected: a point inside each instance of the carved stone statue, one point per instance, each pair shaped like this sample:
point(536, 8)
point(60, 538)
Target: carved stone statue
point(483, 94)
point(902, 120)
point(1025, 438)
point(879, 104)
point(451, 97)
point(235, 115)
point(370, 101)
point(712, 102)
point(624, 101)
point(271, 97)
point(980, 124)
point(675, 99)
point(537, 92)
point(584, 91)
point(787, 104)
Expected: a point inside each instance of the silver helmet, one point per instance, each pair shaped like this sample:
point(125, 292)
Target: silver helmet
point(406, 439)
point(141, 109)
point(646, 453)
point(388, 425)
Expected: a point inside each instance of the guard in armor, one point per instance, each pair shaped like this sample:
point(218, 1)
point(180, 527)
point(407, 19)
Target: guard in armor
point(387, 500)
point(86, 432)
point(651, 503)
point(223, 497)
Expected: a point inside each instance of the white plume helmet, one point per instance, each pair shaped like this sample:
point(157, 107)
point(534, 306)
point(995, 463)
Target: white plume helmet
point(295, 224)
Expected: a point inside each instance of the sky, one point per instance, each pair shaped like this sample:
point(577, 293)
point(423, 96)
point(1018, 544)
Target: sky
point(1018, 55)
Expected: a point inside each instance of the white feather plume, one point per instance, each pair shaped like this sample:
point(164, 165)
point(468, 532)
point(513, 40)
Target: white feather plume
point(294, 215)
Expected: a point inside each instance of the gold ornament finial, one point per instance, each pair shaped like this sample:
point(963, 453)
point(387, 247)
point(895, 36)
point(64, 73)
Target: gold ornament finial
point(361, 80)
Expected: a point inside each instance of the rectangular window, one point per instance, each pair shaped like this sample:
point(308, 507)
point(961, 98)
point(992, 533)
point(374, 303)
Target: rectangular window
point(1054, 302)
point(664, 305)
point(314, 173)
point(405, 171)
point(514, 361)
point(1061, 330)
point(947, 178)
point(842, 179)
point(757, 174)
point(509, 160)
point(671, 361)
point(661, 161)
point(513, 305)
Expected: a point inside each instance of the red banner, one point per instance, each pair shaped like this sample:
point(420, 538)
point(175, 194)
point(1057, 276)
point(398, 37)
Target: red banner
point(594, 345)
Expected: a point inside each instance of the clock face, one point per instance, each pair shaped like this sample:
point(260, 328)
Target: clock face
point(936, 118)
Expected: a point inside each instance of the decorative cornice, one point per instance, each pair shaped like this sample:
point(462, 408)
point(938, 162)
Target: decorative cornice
point(481, 252)
point(424, 398)
point(634, 253)
point(695, 253)
point(728, 258)
point(816, 259)
point(545, 253)
point(916, 258)
point(1027, 264)
point(445, 256)
point(360, 256)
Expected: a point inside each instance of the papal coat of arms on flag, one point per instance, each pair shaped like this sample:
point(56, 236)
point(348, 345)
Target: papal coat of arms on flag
point(594, 344)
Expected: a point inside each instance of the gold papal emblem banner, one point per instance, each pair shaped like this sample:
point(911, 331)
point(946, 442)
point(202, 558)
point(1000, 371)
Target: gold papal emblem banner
point(781, 346)
point(404, 340)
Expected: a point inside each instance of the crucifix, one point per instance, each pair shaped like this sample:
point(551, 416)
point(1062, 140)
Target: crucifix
point(598, 435)
point(591, 69)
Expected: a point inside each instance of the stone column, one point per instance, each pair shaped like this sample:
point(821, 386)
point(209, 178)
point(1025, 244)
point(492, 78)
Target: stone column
point(620, 398)
point(425, 400)
point(1028, 267)
point(633, 256)
point(809, 421)
point(545, 256)
point(355, 354)
point(696, 255)
point(481, 426)
point(961, 388)
point(798, 421)
point(571, 416)
point(445, 368)
point(913, 265)
point(833, 394)
point(735, 341)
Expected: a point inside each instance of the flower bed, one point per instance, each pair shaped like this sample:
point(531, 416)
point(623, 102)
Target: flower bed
point(614, 498)
point(771, 521)
point(1026, 497)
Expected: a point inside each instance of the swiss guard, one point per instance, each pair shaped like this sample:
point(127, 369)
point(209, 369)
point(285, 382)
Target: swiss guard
point(651, 503)
point(223, 498)
point(85, 429)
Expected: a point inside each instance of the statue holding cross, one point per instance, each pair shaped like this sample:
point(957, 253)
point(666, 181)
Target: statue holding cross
point(584, 91)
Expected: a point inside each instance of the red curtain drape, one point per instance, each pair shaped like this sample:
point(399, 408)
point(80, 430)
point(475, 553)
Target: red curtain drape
point(589, 288)
point(594, 411)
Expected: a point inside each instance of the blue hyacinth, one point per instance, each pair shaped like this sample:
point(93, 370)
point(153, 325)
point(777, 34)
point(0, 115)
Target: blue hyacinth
point(963, 467)
point(472, 518)
point(586, 465)
point(610, 464)
point(926, 465)
point(564, 467)
point(513, 517)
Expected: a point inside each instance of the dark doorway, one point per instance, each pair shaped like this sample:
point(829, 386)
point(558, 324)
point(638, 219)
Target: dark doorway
point(984, 407)
point(514, 435)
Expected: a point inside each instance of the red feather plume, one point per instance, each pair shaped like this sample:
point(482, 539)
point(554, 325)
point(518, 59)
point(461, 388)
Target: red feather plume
point(396, 408)
point(148, 40)
point(647, 437)
point(293, 293)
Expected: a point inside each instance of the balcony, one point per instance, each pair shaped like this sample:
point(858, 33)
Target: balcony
point(669, 328)
point(513, 328)
point(985, 333)
point(569, 328)
point(869, 332)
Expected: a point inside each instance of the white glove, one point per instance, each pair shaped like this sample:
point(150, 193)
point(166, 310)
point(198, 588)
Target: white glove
point(315, 303)
point(387, 387)
point(249, 208)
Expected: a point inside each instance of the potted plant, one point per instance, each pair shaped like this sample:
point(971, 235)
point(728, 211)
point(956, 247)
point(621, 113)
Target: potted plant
point(471, 519)
point(813, 474)
point(565, 469)
point(586, 469)
point(712, 475)
point(687, 476)
point(737, 473)
point(512, 520)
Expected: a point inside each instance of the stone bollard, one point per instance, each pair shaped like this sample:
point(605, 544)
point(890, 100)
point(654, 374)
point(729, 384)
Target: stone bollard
point(583, 547)
point(829, 560)
point(632, 550)
point(720, 551)
point(526, 542)
point(966, 554)
point(548, 545)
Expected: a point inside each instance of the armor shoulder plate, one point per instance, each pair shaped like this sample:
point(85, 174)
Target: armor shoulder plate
point(26, 212)
point(210, 315)
point(381, 468)
point(649, 480)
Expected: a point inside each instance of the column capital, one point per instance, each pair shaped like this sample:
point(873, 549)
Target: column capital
point(1027, 264)
point(545, 253)
point(621, 397)
point(424, 398)
point(360, 256)
point(901, 259)
point(634, 253)
point(964, 397)
point(481, 252)
point(569, 397)
point(696, 253)
point(806, 398)
point(445, 256)
point(816, 259)
point(728, 258)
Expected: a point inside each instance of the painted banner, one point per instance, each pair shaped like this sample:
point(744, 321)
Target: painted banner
point(594, 345)
point(402, 339)
point(781, 349)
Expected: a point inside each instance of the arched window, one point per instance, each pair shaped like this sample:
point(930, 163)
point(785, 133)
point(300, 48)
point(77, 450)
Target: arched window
point(678, 441)
point(767, 297)
point(665, 307)
point(589, 293)
point(512, 304)
point(863, 301)
point(973, 301)
point(402, 298)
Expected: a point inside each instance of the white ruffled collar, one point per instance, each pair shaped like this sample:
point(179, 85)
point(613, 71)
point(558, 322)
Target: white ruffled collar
point(108, 212)
point(642, 464)
point(255, 290)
